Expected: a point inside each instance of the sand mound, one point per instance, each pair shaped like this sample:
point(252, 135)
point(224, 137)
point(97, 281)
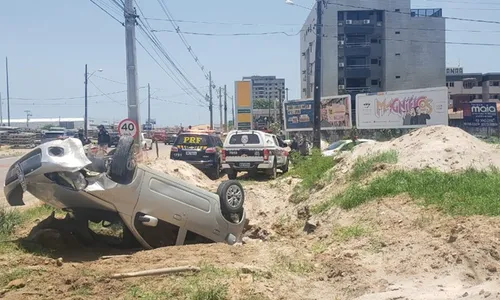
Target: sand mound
point(442, 147)
point(181, 170)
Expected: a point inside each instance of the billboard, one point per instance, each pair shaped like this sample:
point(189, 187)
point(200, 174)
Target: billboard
point(480, 114)
point(335, 113)
point(402, 109)
point(243, 104)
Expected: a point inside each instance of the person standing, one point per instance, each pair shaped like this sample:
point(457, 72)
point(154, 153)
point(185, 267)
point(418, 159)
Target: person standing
point(103, 139)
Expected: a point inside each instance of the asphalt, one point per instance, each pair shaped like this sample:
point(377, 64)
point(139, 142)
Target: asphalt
point(5, 164)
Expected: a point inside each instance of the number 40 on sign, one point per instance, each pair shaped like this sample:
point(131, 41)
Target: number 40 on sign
point(128, 127)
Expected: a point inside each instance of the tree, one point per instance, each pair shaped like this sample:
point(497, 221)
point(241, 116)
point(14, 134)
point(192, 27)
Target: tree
point(263, 104)
point(47, 127)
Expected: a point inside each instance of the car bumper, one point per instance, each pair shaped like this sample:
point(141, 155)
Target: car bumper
point(204, 164)
point(250, 165)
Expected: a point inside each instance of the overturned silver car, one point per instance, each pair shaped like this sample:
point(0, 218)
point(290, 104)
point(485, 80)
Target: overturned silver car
point(155, 209)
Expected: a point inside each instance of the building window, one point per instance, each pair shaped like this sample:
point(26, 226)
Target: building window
point(380, 15)
point(398, 54)
point(469, 84)
point(340, 15)
point(494, 83)
point(397, 77)
point(398, 32)
point(374, 61)
point(374, 41)
point(397, 10)
point(450, 84)
point(375, 82)
point(356, 61)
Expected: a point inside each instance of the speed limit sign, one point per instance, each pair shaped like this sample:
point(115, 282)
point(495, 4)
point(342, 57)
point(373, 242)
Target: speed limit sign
point(128, 127)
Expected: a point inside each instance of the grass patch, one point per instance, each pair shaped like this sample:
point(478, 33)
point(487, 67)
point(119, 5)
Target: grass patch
point(11, 219)
point(467, 193)
point(9, 275)
point(346, 233)
point(311, 170)
point(364, 166)
point(208, 284)
point(294, 266)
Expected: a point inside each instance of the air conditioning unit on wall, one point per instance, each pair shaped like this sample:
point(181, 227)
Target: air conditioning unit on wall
point(341, 87)
point(366, 21)
point(348, 21)
point(341, 42)
point(341, 64)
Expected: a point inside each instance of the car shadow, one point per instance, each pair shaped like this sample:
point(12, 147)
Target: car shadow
point(70, 251)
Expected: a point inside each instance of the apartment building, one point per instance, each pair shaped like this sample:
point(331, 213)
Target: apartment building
point(473, 87)
point(266, 87)
point(374, 46)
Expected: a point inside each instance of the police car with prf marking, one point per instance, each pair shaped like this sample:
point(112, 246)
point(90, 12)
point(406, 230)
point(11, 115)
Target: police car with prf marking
point(202, 149)
point(253, 151)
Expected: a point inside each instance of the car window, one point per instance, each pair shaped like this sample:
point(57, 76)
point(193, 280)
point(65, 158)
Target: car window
point(335, 145)
point(238, 139)
point(54, 134)
point(192, 140)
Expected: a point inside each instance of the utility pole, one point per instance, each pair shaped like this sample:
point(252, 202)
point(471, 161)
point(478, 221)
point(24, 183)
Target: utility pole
point(220, 108)
point(210, 99)
point(232, 110)
point(225, 108)
point(132, 82)
point(149, 105)
point(1, 109)
point(281, 108)
point(317, 77)
point(28, 115)
point(86, 117)
point(8, 95)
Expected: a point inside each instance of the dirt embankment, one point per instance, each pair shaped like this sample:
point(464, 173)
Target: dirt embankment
point(442, 147)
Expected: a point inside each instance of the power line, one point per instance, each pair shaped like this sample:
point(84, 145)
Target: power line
point(144, 26)
point(233, 34)
point(183, 39)
point(107, 12)
point(176, 102)
point(385, 39)
point(222, 23)
point(172, 76)
point(107, 96)
point(69, 98)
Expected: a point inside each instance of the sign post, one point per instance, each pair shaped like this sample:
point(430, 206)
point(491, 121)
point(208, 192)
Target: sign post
point(128, 127)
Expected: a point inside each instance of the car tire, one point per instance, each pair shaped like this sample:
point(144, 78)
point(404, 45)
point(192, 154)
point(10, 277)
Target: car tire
point(232, 197)
point(232, 174)
point(122, 167)
point(273, 173)
point(215, 174)
point(284, 169)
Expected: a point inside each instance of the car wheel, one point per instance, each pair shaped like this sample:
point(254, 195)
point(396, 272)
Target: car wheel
point(232, 197)
point(273, 172)
point(285, 167)
point(122, 167)
point(232, 174)
point(215, 174)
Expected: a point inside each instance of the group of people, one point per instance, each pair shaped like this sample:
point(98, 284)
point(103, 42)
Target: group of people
point(103, 138)
point(300, 144)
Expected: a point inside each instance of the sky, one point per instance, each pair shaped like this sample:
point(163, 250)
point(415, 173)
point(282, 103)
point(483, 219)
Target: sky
point(48, 44)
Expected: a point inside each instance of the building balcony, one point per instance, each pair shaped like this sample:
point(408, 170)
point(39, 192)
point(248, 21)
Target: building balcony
point(427, 12)
point(361, 71)
point(359, 89)
point(355, 49)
